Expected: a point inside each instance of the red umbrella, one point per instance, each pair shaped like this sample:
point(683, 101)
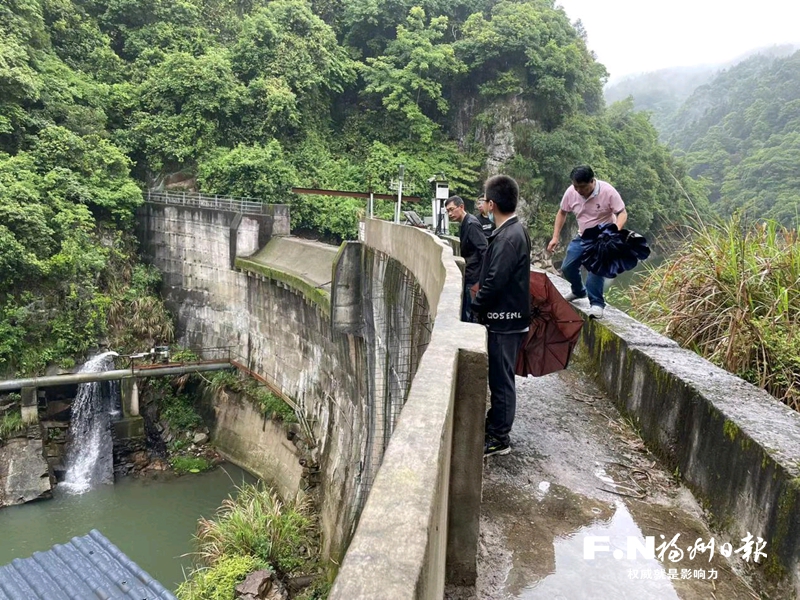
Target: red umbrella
point(554, 330)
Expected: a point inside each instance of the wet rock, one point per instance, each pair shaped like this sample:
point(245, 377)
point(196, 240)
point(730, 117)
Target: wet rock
point(200, 438)
point(295, 584)
point(158, 465)
point(24, 473)
point(140, 459)
point(261, 585)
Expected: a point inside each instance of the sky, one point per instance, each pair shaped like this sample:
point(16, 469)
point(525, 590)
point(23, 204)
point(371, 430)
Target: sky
point(635, 36)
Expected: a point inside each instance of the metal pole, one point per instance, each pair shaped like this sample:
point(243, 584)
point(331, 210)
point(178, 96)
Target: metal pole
point(399, 195)
point(75, 378)
point(370, 212)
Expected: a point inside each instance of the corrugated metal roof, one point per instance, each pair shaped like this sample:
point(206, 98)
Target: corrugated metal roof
point(85, 568)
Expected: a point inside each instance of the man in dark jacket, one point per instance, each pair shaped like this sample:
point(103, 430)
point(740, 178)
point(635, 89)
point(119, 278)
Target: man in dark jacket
point(483, 217)
point(503, 305)
point(473, 247)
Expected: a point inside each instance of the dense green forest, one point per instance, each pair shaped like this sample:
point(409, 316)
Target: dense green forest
point(741, 132)
point(738, 131)
point(99, 98)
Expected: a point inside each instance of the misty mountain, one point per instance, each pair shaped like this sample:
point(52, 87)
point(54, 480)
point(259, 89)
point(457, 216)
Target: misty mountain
point(741, 132)
point(663, 92)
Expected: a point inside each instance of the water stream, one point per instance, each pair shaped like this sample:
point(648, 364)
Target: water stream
point(90, 460)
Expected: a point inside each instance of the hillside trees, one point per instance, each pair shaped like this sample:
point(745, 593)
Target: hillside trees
point(408, 76)
point(739, 134)
point(100, 97)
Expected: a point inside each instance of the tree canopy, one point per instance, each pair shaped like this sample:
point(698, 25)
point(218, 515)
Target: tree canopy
point(251, 97)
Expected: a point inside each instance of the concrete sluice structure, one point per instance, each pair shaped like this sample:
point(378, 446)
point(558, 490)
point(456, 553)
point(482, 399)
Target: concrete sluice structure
point(390, 390)
point(357, 363)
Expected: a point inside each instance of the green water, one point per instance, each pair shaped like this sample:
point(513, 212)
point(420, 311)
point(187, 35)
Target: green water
point(152, 521)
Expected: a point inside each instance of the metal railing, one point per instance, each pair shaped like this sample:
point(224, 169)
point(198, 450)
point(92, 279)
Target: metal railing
point(251, 206)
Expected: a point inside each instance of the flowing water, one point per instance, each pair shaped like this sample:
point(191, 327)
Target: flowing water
point(90, 459)
point(150, 520)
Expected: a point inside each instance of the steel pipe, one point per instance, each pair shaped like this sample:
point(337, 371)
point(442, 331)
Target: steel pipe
point(73, 378)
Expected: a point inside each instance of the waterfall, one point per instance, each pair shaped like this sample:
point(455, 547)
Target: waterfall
point(90, 458)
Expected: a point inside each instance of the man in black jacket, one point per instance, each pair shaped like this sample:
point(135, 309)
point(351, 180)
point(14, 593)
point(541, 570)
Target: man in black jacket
point(483, 217)
point(473, 247)
point(503, 305)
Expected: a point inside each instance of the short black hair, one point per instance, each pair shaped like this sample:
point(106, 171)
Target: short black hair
point(582, 174)
point(504, 192)
point(455, 200)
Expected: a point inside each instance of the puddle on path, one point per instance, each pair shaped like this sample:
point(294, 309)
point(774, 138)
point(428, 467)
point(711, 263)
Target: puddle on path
point(546, 528)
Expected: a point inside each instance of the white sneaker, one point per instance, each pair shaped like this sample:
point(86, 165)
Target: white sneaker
point(595, 312)
point(572, 297)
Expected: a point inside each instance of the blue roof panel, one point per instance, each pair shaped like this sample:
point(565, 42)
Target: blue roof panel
point(85, 568)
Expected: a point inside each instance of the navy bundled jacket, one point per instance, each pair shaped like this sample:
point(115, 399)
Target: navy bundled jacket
point(503, 300)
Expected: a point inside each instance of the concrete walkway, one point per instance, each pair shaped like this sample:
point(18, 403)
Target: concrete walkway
point(571, 451)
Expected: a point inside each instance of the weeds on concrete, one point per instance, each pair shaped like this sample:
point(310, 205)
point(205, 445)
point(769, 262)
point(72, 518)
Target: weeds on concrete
point(732, 294)
point(269, 404)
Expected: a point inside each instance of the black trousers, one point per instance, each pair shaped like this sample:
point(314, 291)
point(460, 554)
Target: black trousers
point(503, 349)
point(466, 304)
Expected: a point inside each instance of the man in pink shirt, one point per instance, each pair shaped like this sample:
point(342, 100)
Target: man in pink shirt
point(594, 202)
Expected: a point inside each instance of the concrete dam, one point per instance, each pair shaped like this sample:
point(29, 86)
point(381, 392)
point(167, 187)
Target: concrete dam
point(390, 389)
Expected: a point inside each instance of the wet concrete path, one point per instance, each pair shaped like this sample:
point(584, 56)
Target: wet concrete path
point(577, 470)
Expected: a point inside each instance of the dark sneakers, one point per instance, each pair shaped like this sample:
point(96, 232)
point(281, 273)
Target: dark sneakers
point(494, 447)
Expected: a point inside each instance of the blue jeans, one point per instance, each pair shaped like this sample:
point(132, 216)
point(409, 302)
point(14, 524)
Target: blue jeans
point(571, 267)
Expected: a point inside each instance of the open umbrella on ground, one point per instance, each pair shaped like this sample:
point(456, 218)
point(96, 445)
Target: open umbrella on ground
point(553, 333)
point(608, 251)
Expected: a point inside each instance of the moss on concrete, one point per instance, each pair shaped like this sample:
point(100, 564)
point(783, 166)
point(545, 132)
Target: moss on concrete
point(787, 505)
point(731, 430)
point(306, 288)
point(603, 336)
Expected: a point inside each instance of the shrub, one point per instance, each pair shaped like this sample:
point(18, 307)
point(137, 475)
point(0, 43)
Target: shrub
point(179, 412)
point(732, 294)
point(10, 423)
point(269, 404)
point(257, 523)
point(218, 582)
point(190, 464)
point(272, 406)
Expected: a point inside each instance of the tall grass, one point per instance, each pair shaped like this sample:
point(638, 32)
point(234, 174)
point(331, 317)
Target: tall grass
point(11, 423)
point(732, 294)
point(253, 530)
point(257, 523)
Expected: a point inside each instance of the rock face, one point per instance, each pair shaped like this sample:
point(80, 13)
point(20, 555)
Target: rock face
point(24, 473)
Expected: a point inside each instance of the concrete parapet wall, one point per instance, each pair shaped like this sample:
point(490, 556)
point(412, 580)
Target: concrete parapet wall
point(734, 445)
point(419, 527)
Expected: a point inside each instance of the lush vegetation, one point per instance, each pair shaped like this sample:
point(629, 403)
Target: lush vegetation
point(190, 464)
point(254, 530)
point(101, 98)
point(738, 132)
point(268, 403)
point(176, 406)
point(10, 423)
point(732, 294)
